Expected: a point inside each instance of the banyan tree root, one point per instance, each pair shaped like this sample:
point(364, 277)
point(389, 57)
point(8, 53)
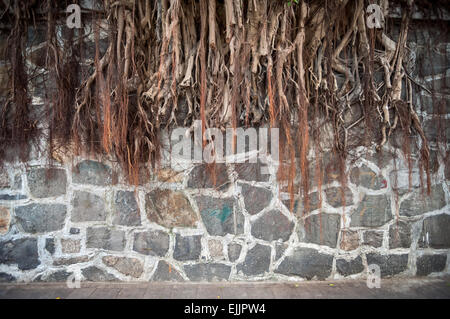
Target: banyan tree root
point(297, 65)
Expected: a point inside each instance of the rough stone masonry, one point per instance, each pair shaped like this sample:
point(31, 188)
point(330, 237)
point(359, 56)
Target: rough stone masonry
point(83, 219)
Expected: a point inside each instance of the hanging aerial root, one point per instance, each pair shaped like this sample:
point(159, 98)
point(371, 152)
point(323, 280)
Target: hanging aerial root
point(305, 67)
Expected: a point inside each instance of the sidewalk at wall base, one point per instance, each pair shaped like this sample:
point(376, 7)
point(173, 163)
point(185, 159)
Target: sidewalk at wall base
point(396, 288)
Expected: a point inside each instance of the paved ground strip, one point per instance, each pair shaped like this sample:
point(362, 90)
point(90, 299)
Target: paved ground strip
point(416, 288)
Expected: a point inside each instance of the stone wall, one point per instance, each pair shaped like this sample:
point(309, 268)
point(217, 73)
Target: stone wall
point(83, 219)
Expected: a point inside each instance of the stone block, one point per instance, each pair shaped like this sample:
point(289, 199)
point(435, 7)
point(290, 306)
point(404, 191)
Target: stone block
point(126, 209)
point(92, 173)
point(234, 251)
point(23, 252)
point(320, 229)
point(105, 238)
point(400, 235)
point(128, 266)
point(50, 245)
point(255, 198)
point(152, 243)
point(41, 218)
point(170, 209)
point(207, 272)
point(252, 171)
point(435, 232)
point(166, 272)
point(427, 264)
point(220, 216)
point(349, 240)
point(209, 176)
point(390, 265)
point(372, 211)
point(337, 197)
point(187, 247)
point(87, 207)
point(349, 267)
point(47, 182)
point(215, 248)
point(5, 278)
point(366, 177)
point(93, 273)
point(373, 238)
point(257, 261)
point(420, 203)
point(272, 225)
point(306, 263)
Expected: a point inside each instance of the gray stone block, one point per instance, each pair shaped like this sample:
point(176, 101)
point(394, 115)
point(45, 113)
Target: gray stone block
point(209, 176)
point(87, 207)
point(349, 267)
point(306, 263)
point(427, 264)
point(400, 235)
point(96, 274)
point(420, 203)
point(207, 272)
point(390, 265)
point(272, 225)
point(4, 278)
point(57, 276)
point(74, 231)
point(23, 252)
point(126, 210)
point(373, 238)
point(220, 216)
point(153, 243)
point(187, 247)
point(8, 197)
point(367, 178)
point(255, 198)
point(252, 171)
point(50, 245)
point(372, 211)
point(47, 182)
point(435, 232)
point(320, 229)
point(166, 272)
point(234, 251)
point(92, 173)
point(105, 238)
point(337, 197)
point(41, 218)
point(257, 261)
